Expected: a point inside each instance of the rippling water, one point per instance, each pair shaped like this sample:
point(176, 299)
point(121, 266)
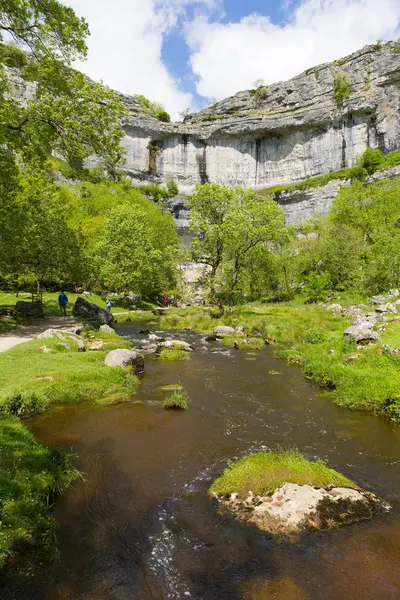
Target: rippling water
point(142, 527)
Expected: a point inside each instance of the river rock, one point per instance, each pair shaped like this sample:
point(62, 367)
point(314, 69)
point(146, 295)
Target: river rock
point(361, 333)
point(125, 358)
point(50, 333)
point(86, 294)
point(159, 312)
point(176, 345)
point(293, 507)
point(29, 309)
point(88, 310)
point(223, 330)
point(106, 329)
point(335, 308)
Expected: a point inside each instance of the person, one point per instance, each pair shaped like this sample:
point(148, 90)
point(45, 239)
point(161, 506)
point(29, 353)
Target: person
point(108, 305)
point(63, 301)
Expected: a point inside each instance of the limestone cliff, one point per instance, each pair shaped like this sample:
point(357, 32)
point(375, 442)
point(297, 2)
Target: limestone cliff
point(288, 132)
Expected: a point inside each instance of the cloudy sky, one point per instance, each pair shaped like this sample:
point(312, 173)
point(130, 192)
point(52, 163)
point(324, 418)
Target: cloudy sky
point(184, 52)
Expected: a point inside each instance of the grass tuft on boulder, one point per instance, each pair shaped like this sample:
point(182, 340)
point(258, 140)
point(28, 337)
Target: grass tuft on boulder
point(264, 472)
point(173, 354)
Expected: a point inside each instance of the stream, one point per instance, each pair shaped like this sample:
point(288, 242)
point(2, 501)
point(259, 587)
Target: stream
point(142, 526)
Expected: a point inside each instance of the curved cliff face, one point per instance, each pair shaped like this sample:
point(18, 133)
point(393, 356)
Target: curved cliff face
point(291, 131)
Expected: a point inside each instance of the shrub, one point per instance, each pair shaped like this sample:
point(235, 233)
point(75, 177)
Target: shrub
point(318, 287)
point(172, 188)
point(22, 404)
point(342, 88)
point(154, 108)
point(177, 401)
point(371, 160)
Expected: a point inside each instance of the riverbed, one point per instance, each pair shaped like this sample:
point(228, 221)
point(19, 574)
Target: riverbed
point(141, 525)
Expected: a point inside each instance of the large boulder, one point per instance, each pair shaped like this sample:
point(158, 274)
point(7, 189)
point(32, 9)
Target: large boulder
point(125, 358)
point(29, 309)
point(92, 312)
point(159, 312)
point(223, 330)
point(361, 333)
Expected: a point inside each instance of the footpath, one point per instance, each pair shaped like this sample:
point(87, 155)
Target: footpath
point(29, 332)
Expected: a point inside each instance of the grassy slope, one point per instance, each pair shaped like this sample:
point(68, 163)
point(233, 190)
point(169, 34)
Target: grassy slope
point(305, 335)
point(264, 472)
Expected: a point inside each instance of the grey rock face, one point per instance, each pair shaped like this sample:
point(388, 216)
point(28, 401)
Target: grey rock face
point(88, 310)
point(296, 131)
point(125, 358)
point(64, 336)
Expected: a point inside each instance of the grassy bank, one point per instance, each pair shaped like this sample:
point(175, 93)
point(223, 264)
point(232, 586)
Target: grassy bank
point(32, 380)
point(31, 476)
point(264, 472)
point(312, 338)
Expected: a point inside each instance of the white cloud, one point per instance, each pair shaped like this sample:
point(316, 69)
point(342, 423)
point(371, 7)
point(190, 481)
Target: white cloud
point(126, 42)
point(230, 57)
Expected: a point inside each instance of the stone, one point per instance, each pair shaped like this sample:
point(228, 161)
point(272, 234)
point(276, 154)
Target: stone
point(352, 358)
point(125, 358)
point(176, 345)
point(88, 310)
point(159, 312)
point(210, 338)
point(335, 308)
point(223, 330)
point(293, 507)
point(107, 329)
point(51, 333)
point(96, 345)
point(29, 309)
point(239, 329)
point(386, 308)
point(86, 294)
point(360, 333)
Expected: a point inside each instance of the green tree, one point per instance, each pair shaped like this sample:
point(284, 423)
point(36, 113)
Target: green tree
point(139, 250)
point(67, 113)
point(231, 224)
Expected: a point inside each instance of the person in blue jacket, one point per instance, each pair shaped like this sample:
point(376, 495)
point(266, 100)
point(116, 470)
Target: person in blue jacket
point(62, 302)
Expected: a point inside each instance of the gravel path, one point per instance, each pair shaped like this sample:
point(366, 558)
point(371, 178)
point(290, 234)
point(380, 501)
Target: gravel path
point(29, 332)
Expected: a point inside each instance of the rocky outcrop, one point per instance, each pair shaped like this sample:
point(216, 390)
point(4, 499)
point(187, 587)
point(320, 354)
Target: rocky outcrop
point(292, 131)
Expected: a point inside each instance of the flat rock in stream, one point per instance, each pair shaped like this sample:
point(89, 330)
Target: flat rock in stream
point(223, 330)
point(292, 508)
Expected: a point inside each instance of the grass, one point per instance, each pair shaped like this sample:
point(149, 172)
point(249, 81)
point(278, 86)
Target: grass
point(31, 476)
point(244, 343)
point(31, 381)
point(264, 472)
point(304, 335)
point(173, 354)
point(177, 401)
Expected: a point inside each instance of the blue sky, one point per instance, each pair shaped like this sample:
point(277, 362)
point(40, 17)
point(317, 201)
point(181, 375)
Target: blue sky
point(183, 53)
point(176, 53)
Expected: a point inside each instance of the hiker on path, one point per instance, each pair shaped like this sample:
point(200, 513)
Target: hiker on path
point(108, 305)
point(62, 302)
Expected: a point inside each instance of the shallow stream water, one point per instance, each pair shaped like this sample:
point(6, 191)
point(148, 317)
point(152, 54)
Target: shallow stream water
point(142, 526)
